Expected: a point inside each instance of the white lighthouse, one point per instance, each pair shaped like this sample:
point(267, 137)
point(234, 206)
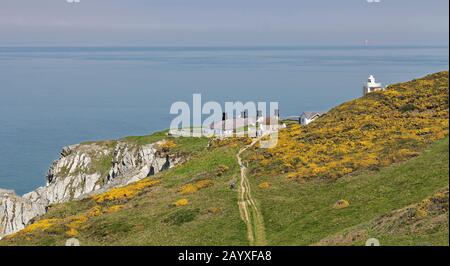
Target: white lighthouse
point(371, 86)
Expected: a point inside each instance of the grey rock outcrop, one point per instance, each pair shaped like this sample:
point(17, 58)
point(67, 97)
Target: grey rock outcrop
point(16, 212)
point(81, 171)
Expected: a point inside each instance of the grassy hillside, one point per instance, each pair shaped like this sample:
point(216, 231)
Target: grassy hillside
point(366, 133)
point(348, 155)
point(372, 167)
point(303, 213)
point(424, 223)
point(191, 204)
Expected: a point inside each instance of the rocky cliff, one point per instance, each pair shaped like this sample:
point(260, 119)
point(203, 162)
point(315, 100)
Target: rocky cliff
point(16, 212)
point(83, 170)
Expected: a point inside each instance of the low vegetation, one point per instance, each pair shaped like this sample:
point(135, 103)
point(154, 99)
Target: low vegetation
point(126, 192)
point(367, 133)
point(196, 186)
point(423, 223)
point(372, 167)
point(191, 204)
point(304, 213)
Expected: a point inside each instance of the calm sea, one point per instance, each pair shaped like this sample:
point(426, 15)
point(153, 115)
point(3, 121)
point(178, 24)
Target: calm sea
point(52, 97)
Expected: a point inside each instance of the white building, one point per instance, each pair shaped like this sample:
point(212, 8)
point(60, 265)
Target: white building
point(308, 117)
point(251, 126)
point(226, 128)
point(371, 86)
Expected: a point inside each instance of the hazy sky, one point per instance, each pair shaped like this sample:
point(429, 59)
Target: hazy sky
point(223, 22)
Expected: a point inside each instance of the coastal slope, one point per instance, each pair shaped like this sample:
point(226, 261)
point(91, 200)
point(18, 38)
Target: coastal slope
point(376, 166)
point(89, 168)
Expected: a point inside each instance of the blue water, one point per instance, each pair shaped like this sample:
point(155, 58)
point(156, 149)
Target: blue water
point(52, 97)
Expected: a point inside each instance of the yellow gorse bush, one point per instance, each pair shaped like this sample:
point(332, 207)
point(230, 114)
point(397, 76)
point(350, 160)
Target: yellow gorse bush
point(75, 222)
point(264, 185)
point(115, 208)
point(167, 145)
point(41, 225)
point(366, 133)
point(181, 202)
point(72, 232)
point(71, 223)
point(341, 204)
point(196, 186)
point(125, 192)
point(94, 211)
point(230, 142)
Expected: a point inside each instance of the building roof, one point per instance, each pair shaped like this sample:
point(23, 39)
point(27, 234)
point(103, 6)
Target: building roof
point(311, 115)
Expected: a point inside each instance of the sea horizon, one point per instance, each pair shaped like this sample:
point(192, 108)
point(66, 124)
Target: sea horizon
point(235, 46)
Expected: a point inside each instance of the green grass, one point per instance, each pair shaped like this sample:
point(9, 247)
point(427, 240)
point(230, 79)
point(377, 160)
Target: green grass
point(190, 145)
point(154, 221)
point(302, 213)
point(434, 234)
point(210, 218)
point(294, 213)
point(185, 145)
point(101, 165)
point(148, 139)
point(400, 227)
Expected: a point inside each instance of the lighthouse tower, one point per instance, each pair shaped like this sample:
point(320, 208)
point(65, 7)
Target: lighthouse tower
point(371, 86)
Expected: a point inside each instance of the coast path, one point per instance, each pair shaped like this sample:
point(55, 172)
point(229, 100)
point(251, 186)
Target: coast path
point(247, 206)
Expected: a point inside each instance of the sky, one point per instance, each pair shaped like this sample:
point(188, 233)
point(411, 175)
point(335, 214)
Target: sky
point(223, 22)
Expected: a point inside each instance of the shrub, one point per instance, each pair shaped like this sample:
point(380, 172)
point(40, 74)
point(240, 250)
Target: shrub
point(407, 107)
point(181, 202)
point(114, 208)
point(71, 224)
point(420, 213)
point(125, 192)
point(196, 186)
point(77, 221)
point(188, 189)
point(341, 204)
point(362, 134)
point(264, 185)
point(421, 210)
point(213, 210)
point(167, 145)
point(72, 232)
point(182, 216)
point(41, 225)
point(221, 169)
point(230, 142)
point(94, 211)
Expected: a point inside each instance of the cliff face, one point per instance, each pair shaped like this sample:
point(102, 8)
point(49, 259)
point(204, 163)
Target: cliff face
point(16, 212)
point(83, 170)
